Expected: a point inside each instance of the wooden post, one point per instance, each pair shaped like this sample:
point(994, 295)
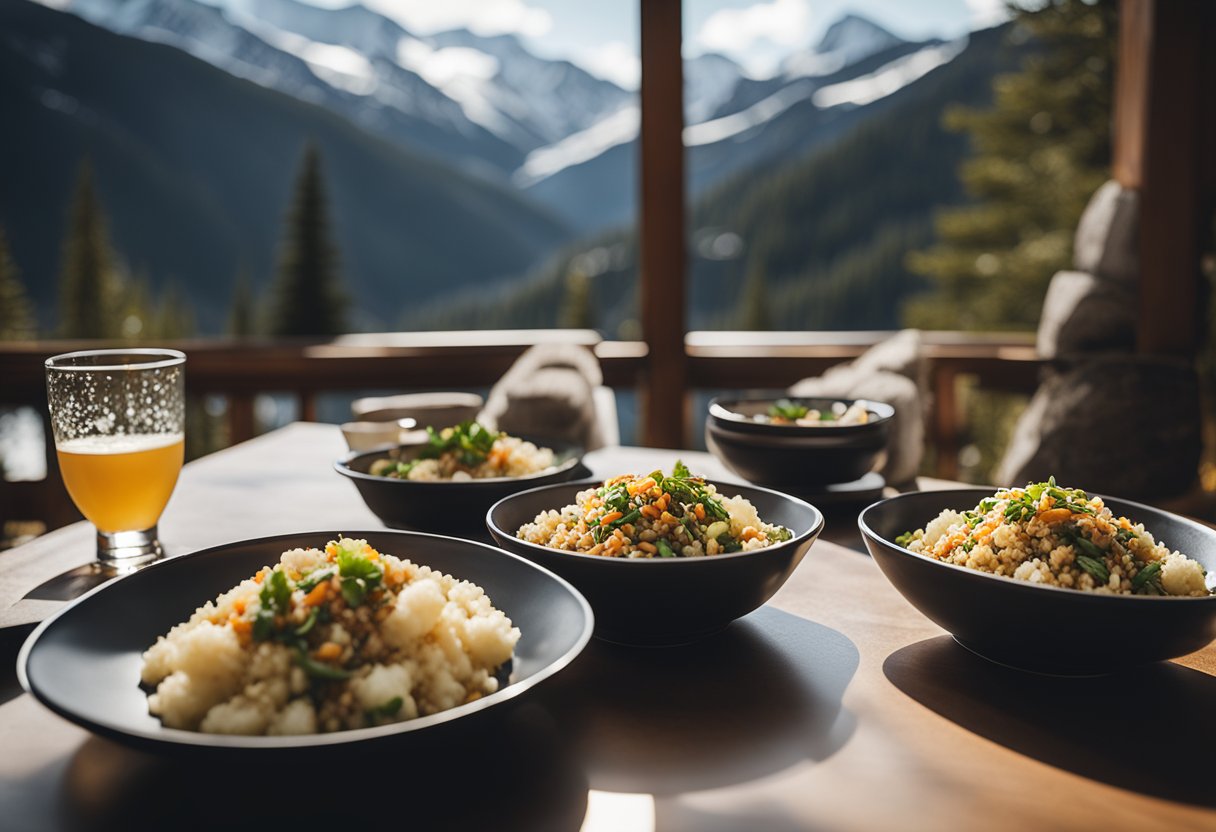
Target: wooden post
point(1163, 144)
point(661, 227)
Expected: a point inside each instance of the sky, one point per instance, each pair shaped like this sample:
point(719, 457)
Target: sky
point(601, 35)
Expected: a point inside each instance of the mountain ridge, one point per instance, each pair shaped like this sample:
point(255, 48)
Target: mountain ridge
point(199, 181)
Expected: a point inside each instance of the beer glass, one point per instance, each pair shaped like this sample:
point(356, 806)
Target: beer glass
point(118, 421)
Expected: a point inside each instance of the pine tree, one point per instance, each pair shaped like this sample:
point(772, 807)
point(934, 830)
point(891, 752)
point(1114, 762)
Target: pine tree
point(576, 302)
point(754, 310)
point(308, 298)
point(16, 312)
point(173, 318)
point(1039, 154)
point(242, 313)
point(89, 285)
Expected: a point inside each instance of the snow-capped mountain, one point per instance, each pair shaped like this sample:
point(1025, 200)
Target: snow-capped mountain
point(745, 122)
point(851, 39)
point(480, 100)
point(709, 81)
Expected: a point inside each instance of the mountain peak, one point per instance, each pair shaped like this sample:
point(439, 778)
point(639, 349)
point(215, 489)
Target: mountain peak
point(850, 39)
point(854, 33)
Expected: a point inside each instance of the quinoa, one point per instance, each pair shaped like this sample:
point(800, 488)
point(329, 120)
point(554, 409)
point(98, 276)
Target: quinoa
point(653, 516)
point(327, 640)
point(468, 452)
point(1061, 537)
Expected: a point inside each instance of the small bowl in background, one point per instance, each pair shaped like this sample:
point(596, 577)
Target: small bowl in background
point(437, 409)
point(446, 506)
point(663, 601)
point(365, 436)
point(784, 456)
point(1045, 629)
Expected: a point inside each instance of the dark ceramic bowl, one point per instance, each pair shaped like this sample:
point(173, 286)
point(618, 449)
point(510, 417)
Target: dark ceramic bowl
point(83, 662)
point(793, 455)
point(445, 506)
point(665, 600)
point(1043, 628)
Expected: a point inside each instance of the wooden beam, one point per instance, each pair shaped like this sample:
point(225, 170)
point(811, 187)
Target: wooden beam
point(661, 226)
point(1163, 107)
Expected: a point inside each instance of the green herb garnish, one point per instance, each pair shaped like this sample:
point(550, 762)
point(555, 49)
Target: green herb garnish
point(359, 576)
point(388, 709)
point(786, 409)
point(471, 442)
point(665, 550)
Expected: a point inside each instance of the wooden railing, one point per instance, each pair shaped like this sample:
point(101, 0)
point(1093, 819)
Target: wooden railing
point(240, 370)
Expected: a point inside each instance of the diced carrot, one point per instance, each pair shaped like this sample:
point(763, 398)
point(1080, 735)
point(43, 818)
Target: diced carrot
point(748, 533)
point(239, 605)
point(639, 487)
point(663, 501)
point(668, 518)
point(651, 511)
point(699, 510)
point(328, 651)
point(646, 546)
point(610, 516)
point(261, 576)
point(317, 595)
point(241, 625)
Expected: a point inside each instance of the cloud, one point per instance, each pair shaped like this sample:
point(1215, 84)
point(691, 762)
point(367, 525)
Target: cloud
point(615, 61)
point(780, 22)
point(985, 13)
point(482, 17)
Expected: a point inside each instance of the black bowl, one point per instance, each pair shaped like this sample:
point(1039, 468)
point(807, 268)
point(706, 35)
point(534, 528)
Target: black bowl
point(446, 506)
point(1043, 628)
point(665, 600)
point(83, 662)
point(794, 455)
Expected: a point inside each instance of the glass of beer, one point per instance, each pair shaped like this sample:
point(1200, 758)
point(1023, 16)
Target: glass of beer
point(118, 421)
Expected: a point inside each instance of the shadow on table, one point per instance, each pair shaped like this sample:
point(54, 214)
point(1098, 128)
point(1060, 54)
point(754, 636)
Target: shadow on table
point(760, 696)
point(11, 639)
point(1147, 730)
point(516, 773)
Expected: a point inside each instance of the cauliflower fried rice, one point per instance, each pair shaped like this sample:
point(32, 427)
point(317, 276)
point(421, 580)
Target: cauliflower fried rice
point(1060, 537)
point(328, 640)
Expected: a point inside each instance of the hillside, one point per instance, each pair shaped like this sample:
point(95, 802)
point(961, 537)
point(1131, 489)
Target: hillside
point(195, 167)
point(829, 231)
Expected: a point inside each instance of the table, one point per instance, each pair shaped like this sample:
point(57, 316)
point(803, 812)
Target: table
point(835, 707)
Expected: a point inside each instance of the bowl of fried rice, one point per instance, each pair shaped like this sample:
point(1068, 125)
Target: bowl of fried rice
point(313, 640)
point(799, 442)
point(447, 482)
point(662, 558)
point(1050, 578)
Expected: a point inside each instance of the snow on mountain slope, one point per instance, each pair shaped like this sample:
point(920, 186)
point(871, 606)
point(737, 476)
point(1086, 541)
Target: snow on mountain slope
point(622, 128)
point(851, 39)
point(888, 78)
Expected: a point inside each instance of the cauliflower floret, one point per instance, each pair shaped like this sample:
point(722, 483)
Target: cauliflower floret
point(418, 607)
point(299, 717)
point(384, 684)
point(301, 561)
point(1182, 576)
point(208, 666)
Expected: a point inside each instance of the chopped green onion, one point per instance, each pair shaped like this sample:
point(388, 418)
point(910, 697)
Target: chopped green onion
point(319, 670)
point(665, 550)
point(1096, 568)
point(1150, 574)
